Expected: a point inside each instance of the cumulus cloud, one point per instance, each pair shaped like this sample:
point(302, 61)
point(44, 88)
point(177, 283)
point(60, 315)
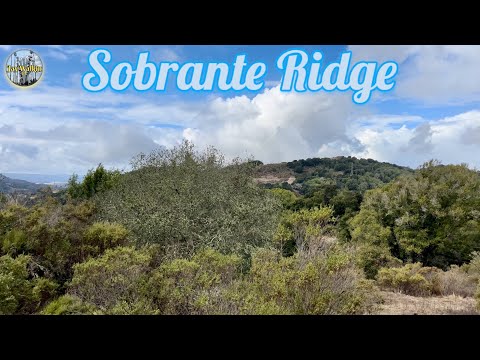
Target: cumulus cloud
point(62, 130)
point(450, 140)
point(274, 125)
point(435, 74)
point(74, 130)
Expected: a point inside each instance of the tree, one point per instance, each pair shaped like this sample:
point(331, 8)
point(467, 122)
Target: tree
point(184, 200)
point(95, 181)
point(431, 217)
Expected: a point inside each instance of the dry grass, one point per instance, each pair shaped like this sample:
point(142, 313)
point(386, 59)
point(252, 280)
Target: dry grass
point(400, 304)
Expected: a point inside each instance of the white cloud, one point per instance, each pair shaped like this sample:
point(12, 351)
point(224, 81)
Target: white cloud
point(60, 130)
point(452, 140)
point(63, 53)
point(273, 125)
point(433, 74)
point(73, 130)
point(5, 47)
point(166, 54)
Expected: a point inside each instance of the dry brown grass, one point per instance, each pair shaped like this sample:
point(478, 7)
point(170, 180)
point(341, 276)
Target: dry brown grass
point(400, 304)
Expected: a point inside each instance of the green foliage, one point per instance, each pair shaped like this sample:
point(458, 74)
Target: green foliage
point(56, 235)
point(193, 286)
point(103, 235)
point(412, 279)
point(69, 305)
point(187, 200)
point(95, 181)
point(431, 217)
point(115, 276)
point(286, 197)
point(14, 242)
point(325, 281)
point(349, 173)
point(298, 228)
point(20, 291)
point(371, 258)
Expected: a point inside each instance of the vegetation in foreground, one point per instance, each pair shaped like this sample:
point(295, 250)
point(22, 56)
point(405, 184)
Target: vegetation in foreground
point(185, 232)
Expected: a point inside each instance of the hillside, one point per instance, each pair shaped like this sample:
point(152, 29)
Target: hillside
point(8, 185)
point(304, 176)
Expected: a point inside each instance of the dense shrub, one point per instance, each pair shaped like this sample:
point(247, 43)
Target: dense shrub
point(194, 286)
point(321, 281)
point(21, 290)
point(69, 305)
point(297, 229)
point(186, 200)
point(411, 279)
point(101, 236)
point(116, 276)
point(372, 258)
point(456, 281)
point(430, 217)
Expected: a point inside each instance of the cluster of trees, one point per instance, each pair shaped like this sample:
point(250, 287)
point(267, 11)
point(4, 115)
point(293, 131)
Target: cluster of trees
point(185, 232)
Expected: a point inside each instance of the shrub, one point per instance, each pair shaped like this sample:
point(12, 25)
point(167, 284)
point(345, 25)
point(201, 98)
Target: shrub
point(103, 235)
point(430, 216)
point(456, 281)
point(371, 258)
point(411, 279)
point(115, 276)
point(187, 200)
point(298, 229)
point(15, 242)
point(477, 296)
point(69, 305)
point(20, 291)
point(325, 281)
point(183, 286)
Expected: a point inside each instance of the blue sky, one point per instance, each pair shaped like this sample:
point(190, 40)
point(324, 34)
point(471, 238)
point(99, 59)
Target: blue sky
point(58, 127)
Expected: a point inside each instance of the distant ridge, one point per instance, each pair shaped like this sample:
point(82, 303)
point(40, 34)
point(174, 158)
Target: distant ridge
point(40, 178)
point(9, 185)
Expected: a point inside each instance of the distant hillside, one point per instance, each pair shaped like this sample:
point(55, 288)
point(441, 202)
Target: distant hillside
point(8, 185)
point(349, 173)
point(41, 178)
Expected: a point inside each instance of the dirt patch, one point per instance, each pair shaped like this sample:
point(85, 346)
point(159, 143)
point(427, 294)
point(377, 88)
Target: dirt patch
point(401, 304)
point(272, 179)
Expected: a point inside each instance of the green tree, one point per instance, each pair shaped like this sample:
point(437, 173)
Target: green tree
point(186, 200)
point(94, 181)
point(430, 217)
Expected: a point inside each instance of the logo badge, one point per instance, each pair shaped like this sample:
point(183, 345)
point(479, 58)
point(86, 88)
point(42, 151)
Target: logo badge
point(24, 68)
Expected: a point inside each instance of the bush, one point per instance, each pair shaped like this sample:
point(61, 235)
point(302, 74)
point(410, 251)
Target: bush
point(324, 281)
point(15, 242)
point(371, 258)
point(194, 286)
point(187, 200)
point(430, 216)
point(116, 276)
point(21, 291)
point(411, 279)
point(456, 281)
point(103, 235)
point(69, 305)
point(298, 229)
point(477, 296)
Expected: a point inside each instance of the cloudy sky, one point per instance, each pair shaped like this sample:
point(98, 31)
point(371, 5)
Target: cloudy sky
point(59, 128)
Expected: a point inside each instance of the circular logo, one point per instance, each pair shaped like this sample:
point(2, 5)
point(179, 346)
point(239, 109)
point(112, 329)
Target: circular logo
point(24, 68)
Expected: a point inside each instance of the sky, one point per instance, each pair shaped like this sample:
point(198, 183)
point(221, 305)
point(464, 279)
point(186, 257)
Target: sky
point(57, 127)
